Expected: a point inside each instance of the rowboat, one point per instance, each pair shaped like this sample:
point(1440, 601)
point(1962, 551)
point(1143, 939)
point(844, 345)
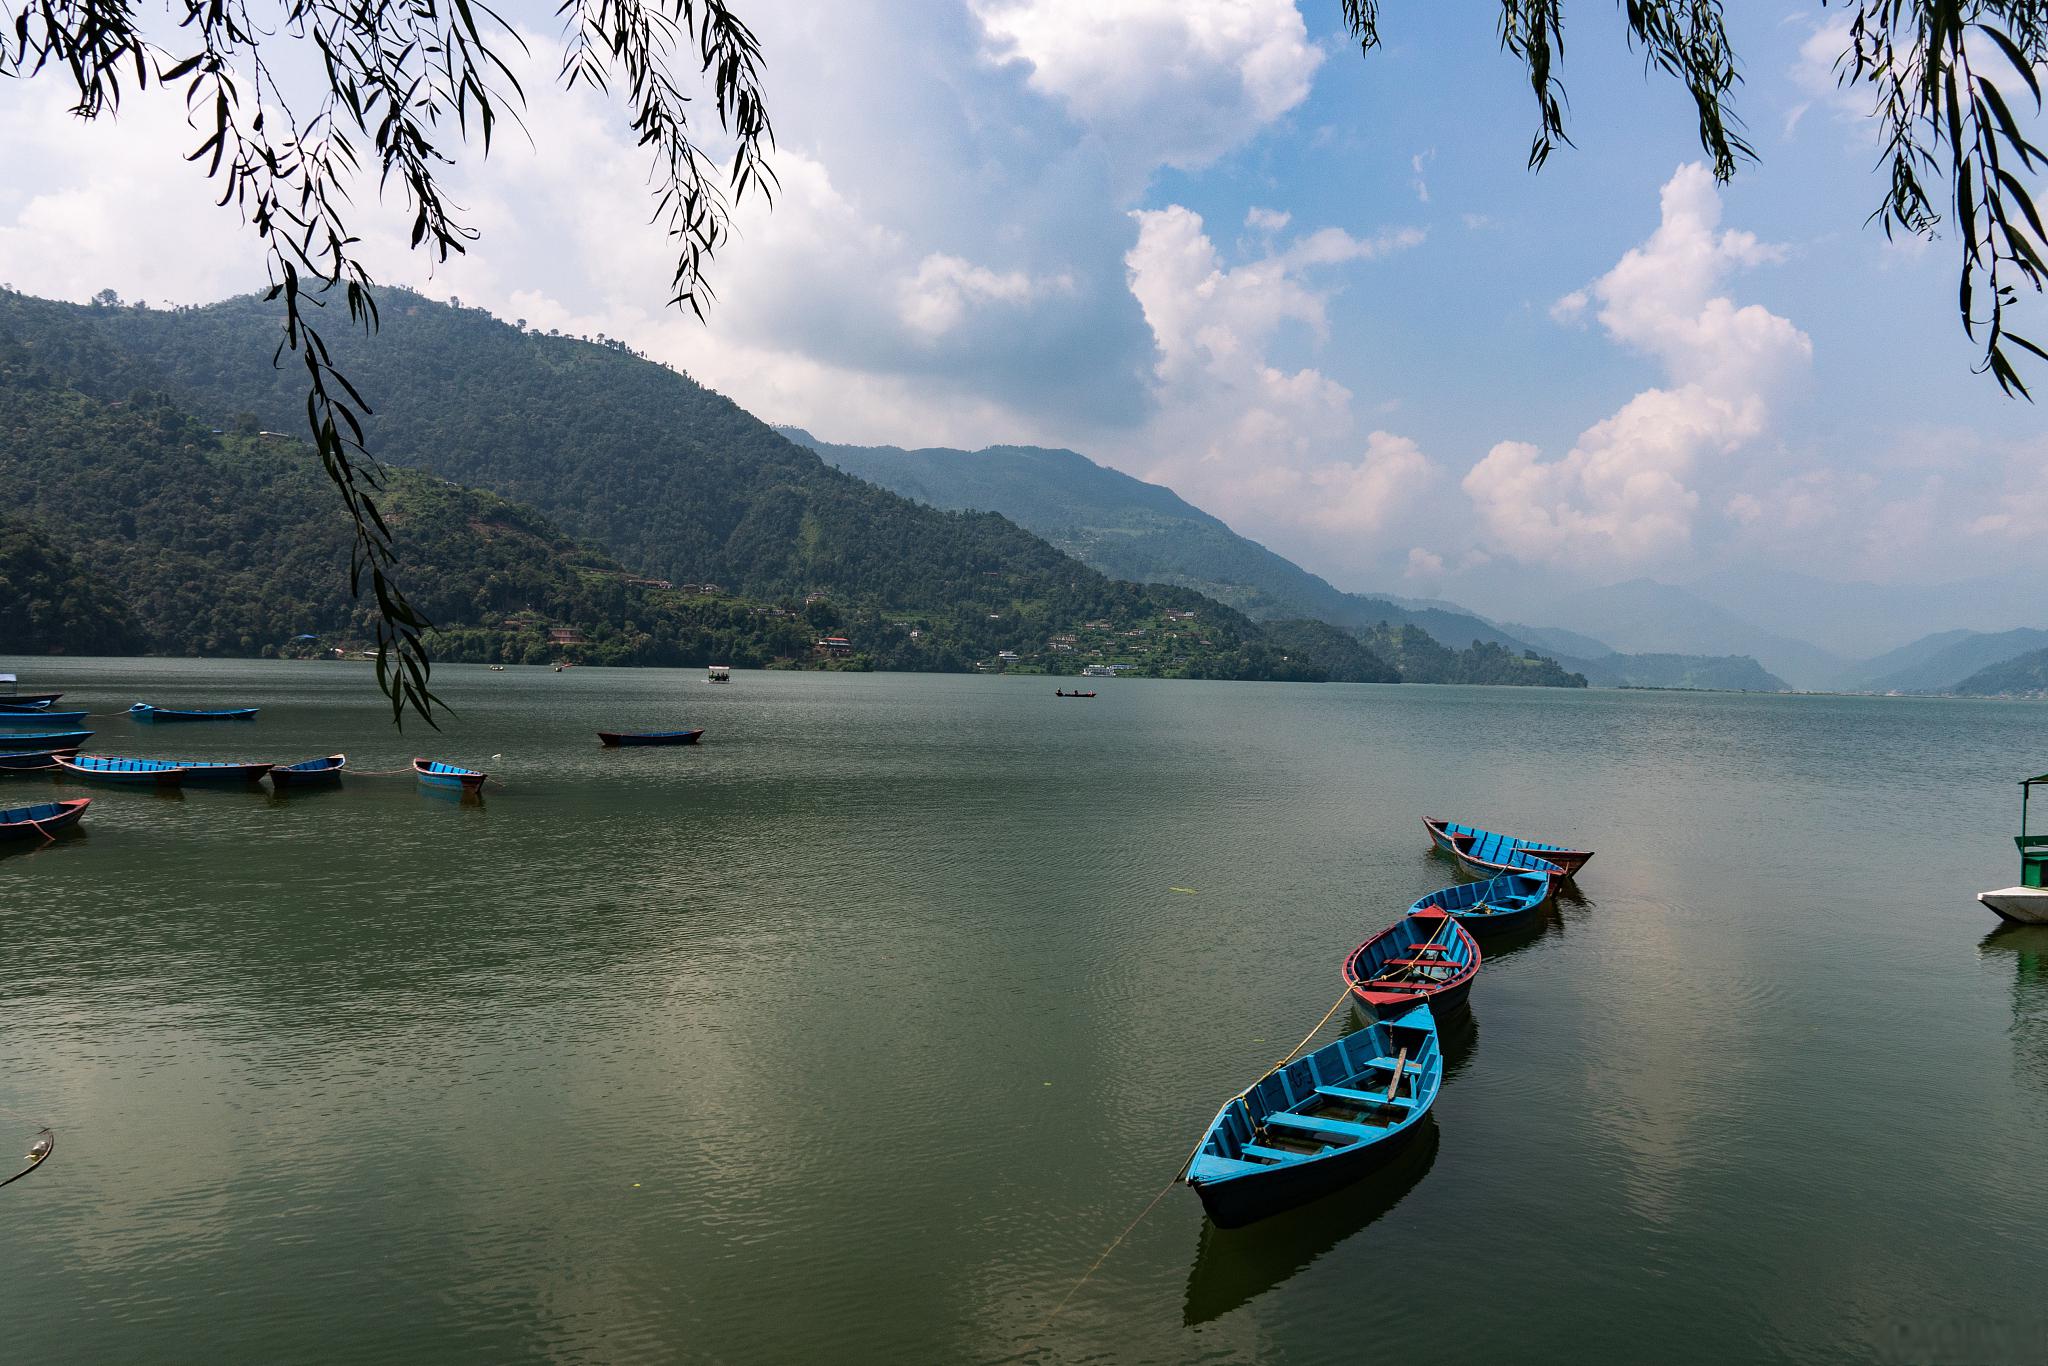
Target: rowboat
point(434, 773)
point(49, 739)
point(12, 699)
point(1495, 906)
point(31, 760)
point(1492, 855)
point(1446, 835)
point(223, 775)
point(142, 711)
point(133, 772)
point(1057, 693)
point(309, 772)
point(718, 673)
point(1319, 1122)
point(8, 704)
point(40, 718)
point(612, 739)
point(42, 821)
point(1426, 956)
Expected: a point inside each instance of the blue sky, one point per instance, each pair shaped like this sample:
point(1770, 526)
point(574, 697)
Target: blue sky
point(1207, 242)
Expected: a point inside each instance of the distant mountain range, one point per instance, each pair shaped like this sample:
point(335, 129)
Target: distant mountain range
point(1940, 662)
point(2022, 676)
point(1127, 527)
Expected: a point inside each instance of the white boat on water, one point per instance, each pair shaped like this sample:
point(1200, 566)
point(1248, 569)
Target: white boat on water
point(2028, 902)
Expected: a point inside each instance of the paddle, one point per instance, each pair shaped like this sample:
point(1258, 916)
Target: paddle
point(1400, 1066)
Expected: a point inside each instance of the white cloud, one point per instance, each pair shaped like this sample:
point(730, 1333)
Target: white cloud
point(1423, 564)
point(1621, 498)
point(946, 289)
point(1267, 221)
point(1160, 82)
point(1419, 162)
point(1275, 446)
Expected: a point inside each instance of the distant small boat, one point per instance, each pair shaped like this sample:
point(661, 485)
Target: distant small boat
point(223, 774)
point(40, 718)
point(497, 668)
point(31, 760)
point(1319, 1122)
point(612, 739)
point(48, 739)
point(1426, 956)
point(43, 821)
point(142, 711)
point(309, 772)
point(1446, 835)
point(1057, 693)
point(434, 773)
point(1510, 901)
point(719, 673)
point(131, 772)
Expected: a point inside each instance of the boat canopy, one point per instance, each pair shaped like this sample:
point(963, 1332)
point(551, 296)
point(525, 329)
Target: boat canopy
point(6, 678)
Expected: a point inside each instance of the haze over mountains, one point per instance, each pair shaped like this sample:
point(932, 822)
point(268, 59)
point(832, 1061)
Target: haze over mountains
point(1636, 633)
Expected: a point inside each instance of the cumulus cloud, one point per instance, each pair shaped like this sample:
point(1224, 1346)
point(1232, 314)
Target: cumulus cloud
point(1423, 564)
point(1274, 445)
point(1622, 497)
point(1160, 82)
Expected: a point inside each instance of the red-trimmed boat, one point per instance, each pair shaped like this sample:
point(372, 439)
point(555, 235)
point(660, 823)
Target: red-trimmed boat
point(1425, 956)
point(1453, 838)
point(46, 820)
point(612, 739)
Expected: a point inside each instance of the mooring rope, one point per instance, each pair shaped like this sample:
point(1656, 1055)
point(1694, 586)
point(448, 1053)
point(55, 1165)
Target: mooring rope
point(1185, 1163)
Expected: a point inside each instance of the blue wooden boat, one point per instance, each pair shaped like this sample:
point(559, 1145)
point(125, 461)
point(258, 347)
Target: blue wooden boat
point(31, 760)
point(1511, 901)
point(46, 820)
point(309, 772)
point(142, 711)
point(222, 774)
point(1319, 1122)
point(49, 739)
point(1447, 834)
point(40, 718)
point(612, 739)
point(1491, 855)
point(434, 773)
point(1426, 958)
point(8, 704)
point(131, 772)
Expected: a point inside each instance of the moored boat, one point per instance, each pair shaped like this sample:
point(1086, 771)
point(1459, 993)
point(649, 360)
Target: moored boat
point(223, 774)
point(46, 820)
point(12, 719)
point(1510, 901)
point(32, 760)
point(132, 772)
point(309, 772)
point(1058, 693)
point(1426, 956)
point(612, 739)
point(1319, 1122)
point(14, 701)
point(143, 711)
point(1491, 855)
point(1446, 834)
point(2026, 903)
point(48, 739)
point(9, 705)
point(434, 773)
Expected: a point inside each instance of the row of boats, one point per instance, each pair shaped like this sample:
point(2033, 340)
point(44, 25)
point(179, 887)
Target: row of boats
point(1323, 1120)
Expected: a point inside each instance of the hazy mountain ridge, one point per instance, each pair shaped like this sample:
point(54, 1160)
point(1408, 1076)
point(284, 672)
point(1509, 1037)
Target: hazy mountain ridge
point(1942, 661)
point(2023, 676)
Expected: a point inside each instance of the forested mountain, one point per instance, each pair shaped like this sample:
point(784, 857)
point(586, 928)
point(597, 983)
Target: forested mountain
point(1939, 662)
point(1135, 530)
point(1726, 673)
point(2026, 675)
point(1644, 616)
point(1422, 658)
point(230, 541)
point(49, 604)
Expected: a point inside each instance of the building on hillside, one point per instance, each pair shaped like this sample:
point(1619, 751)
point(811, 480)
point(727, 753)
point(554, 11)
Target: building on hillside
point(566, 635)
point(834, 647)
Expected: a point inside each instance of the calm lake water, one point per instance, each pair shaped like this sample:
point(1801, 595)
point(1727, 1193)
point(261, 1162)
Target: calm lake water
point(858, 1032)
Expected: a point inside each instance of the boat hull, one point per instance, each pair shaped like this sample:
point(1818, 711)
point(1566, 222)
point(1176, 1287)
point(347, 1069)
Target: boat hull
point(1518, 899)
point(142, 711)
point(1450, 837)
point(55, 739)
point(225, 775)
point(166, 775)
point(1397, 947)
point(313, 773)
point(42, 821)
point(2021, 905)
point(1479, 867)
point(1233, 1204)
point(24, 701)
point(32, 761)
point(21, 720)
point(449, 779)
point(624, 740)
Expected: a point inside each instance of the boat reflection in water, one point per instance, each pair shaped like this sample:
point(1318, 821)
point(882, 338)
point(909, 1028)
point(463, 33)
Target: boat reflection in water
point(1235, 1266)
point(2027, 945)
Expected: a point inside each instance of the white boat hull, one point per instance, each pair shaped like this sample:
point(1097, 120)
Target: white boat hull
point(2027, 905)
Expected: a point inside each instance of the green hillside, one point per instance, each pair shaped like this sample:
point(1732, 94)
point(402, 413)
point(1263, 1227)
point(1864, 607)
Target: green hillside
point(1725, 673)
point(1941, 661)
point(2024, 676)
point(49, 604)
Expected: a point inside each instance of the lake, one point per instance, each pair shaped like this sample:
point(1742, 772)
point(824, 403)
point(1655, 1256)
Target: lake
point(856, 1033)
